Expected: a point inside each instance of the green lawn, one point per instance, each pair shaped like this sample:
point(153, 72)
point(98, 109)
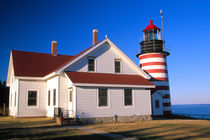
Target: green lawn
point(161, 129)
point(46, 128)
point(39, 128)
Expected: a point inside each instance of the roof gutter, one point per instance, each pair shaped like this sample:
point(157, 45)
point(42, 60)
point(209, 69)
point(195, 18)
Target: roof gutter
point(36, 78)
point(49, 76)
point(113, 85)
point(28, 78)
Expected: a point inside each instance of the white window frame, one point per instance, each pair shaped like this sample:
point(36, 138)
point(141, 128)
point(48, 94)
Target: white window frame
point(91, 58)
point(108, 99)
point(133, 99)
point(37, 100)
point(120, 60)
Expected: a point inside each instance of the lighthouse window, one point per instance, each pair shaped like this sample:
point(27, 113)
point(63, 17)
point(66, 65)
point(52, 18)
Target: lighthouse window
point(91, 64)
point(117, 66)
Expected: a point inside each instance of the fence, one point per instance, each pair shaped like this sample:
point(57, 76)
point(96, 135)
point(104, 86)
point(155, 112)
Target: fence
point(196, 116)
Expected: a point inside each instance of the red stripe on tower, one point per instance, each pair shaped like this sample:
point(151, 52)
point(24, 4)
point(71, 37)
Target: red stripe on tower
point(153, 63)
point(151, 56)
point(157, 71)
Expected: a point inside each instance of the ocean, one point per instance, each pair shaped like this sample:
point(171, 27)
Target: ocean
point(200, 111)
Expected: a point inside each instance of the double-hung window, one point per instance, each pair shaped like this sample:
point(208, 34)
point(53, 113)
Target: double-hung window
point(117, 66)
point(128, 97)
point(102, 97)
point(91, 64)
point(32, 98)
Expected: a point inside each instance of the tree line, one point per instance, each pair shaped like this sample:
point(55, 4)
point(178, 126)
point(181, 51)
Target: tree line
point(4, 94)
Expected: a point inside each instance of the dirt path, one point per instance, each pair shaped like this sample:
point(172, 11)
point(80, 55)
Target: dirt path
point(100, 132)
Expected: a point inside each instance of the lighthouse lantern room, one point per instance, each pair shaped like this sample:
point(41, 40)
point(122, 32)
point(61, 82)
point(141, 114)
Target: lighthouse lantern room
point(153, 61)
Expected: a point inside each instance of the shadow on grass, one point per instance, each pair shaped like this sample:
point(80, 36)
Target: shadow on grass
point(151, 132)
point(59, 134)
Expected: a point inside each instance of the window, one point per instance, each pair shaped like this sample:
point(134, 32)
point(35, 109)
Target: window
point(70, 96)
point(91, 64)
point(32, 98)
point(102, 97)
point(117, 66)
point(54, 96)
point(48, 97)
point(15, 100)
point(157, 104)
point(128, 97)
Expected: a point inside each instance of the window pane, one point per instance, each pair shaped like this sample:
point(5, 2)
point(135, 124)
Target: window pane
point(117, 66)
point(32, 94)
point(54, 96)
point(128, 97)
point(157, 104)
point(91, 64)
point(48, 97)
point(70, 96)
point(32, 98)
point(102, 97)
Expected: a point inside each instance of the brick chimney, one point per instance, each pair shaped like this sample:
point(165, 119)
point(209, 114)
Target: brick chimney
point(95, 36)
point(54, 48)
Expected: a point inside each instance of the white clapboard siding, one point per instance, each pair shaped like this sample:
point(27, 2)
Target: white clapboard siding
point(104, 61)
point(13, 89)
point(87, 103)
point(26, 111)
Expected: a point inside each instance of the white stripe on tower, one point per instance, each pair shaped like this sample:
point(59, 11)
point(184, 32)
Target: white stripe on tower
point(155, 65)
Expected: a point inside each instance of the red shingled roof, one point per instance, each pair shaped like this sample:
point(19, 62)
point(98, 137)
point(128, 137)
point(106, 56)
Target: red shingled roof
point(32, 64)
point(104, 78)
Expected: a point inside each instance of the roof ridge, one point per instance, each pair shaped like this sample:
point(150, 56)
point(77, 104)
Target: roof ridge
point(39, 53)
point(104, 73)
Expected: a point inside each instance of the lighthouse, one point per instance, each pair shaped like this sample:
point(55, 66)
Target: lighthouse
point(153, 61)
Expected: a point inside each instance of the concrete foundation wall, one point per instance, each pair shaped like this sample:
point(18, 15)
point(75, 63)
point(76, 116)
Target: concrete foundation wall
point(133, 118)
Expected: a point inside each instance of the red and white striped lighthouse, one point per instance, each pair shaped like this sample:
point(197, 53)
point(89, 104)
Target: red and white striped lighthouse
point(153, 61)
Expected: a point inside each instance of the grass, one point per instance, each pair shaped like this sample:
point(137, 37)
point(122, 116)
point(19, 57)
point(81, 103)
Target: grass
point(39, 128)
point(46, 128)
point(161, 129)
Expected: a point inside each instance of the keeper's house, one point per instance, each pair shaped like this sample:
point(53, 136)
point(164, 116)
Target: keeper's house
point(95, 85)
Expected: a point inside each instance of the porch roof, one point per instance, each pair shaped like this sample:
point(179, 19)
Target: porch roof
point(104, 78)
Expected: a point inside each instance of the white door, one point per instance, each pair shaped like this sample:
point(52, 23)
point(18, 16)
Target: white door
point(70, 104)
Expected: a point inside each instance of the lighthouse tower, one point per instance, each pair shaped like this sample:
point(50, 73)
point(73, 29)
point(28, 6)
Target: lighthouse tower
point(153, 61)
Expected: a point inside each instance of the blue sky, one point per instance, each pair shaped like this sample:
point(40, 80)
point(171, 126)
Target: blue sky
point(31, 25)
